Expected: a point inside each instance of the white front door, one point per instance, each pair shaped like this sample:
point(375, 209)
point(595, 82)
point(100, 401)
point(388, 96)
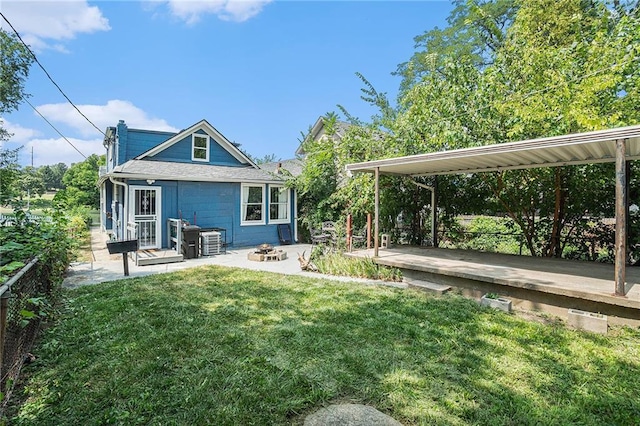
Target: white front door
point(144, 210)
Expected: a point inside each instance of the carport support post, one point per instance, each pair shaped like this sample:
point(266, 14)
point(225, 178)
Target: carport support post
point(621, 217)
point(434, 212)
point(376, 213)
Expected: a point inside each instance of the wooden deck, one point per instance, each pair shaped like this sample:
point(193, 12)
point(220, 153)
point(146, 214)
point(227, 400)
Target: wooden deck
point(157, 257)
point(551, 285)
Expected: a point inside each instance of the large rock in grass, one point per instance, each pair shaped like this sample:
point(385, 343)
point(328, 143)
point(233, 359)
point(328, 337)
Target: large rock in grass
point(349, 415)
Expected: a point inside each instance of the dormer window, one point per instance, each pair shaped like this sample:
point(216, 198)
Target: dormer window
point(200, 147)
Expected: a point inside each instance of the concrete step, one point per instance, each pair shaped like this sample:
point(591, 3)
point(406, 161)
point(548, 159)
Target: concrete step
point(158, 257)
point(427, 286)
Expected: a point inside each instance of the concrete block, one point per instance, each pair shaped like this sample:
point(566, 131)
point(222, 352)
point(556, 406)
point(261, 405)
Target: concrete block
point(499, 303)
point(256, 257)
point(426, 286)
point(589, 321)
point(278, 255)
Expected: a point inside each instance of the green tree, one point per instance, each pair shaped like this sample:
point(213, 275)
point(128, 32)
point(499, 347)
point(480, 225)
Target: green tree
point(58, 173)
point(521, 70)
point(52, 175)
point(9, 169)
point(15, 61)
point(268, 158)
point(476, 31)
point(31, 182)
point(562, 69)
point(80, 182)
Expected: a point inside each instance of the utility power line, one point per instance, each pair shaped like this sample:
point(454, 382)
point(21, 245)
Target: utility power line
point(50, 78)
point(54, 128)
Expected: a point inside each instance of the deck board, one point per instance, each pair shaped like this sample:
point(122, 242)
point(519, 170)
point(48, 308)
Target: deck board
point(158, 257)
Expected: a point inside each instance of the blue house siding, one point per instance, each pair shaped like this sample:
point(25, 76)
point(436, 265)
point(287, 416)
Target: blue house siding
point(206, 204)
point(180, 152)
point(122, 135)
point(142, 141)
point(211, 205)
point(133, 142)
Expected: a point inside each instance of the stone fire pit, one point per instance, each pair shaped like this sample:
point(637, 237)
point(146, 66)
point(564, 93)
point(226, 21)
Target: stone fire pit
point(266, 253)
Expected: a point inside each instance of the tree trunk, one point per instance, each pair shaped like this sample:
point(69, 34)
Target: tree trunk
point(554, 246)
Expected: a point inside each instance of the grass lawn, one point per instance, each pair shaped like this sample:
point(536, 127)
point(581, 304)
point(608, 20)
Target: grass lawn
point(37, 204)
point(225, 346)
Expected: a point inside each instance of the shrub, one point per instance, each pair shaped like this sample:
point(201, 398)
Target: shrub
point(335, 263)
point(29, 237)
point(485, 233)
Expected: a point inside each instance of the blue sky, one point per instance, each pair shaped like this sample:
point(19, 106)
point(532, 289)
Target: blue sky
point(260, 72)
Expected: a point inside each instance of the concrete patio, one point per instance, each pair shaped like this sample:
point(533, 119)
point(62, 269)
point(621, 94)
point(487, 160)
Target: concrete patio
point(109, 267)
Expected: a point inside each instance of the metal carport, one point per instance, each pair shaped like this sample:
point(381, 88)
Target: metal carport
point(617, 145)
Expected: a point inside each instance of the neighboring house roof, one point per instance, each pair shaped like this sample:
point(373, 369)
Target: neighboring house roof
point(293, 166)
point(165, 170)
point(207, 128)
point(317, 131)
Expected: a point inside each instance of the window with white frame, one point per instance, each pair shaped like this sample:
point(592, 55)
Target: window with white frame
point(199, 147)
point(253, 201)
point(278, 204)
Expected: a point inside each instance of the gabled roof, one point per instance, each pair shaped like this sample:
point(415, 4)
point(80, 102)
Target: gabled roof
point(341, 128)
point(168, 170)
point(210, 130)
point(293, 166)
point(578, 148)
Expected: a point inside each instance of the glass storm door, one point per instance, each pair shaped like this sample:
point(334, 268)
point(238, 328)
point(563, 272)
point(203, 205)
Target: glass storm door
point(145, 212)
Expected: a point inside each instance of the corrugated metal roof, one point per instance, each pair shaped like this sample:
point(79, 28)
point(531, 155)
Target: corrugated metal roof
point(166, 170)
point(577, 148)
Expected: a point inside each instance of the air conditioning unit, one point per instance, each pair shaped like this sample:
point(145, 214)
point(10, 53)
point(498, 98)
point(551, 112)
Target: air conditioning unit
point(210, 243)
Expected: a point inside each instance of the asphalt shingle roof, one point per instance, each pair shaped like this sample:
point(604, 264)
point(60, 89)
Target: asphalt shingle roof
point(165, 170)
point(293, 166)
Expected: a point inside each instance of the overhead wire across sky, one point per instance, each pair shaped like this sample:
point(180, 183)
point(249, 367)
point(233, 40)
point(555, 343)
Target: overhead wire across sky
point(54, 128)
point(56, 85)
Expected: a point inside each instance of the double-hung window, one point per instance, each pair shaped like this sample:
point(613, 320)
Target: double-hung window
point(253, 201)
point(199, 147)
point(278, 204)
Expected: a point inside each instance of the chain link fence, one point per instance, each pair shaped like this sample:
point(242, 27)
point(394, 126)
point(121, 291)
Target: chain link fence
point(24, 303)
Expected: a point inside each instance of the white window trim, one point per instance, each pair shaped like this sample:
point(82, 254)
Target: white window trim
point(193, 147)
point(279, 221)
point(242, 205)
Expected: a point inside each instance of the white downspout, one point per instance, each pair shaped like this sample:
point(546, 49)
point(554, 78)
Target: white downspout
point(125, 208)
point(295, 215)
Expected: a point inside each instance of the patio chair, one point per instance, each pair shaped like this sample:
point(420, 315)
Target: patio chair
point(360, 236)
point(329, 229)
point(328, 226)
point(318, 236)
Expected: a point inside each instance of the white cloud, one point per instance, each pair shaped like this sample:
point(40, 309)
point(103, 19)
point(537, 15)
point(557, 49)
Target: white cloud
point(39, 22)
point(54, 151)
point(103, 116)
point(20, 134)
point(192, 11)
